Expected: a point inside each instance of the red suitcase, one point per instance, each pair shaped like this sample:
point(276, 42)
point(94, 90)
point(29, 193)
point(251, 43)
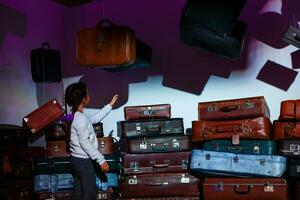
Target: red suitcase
point(254, 128)
point(286, 130)
point(245, 189)
point(290, 110)
point(159, 185)
point(147, 111)
point(234, 109)
point(57, 149)
point(156, 163)
point(43, 116)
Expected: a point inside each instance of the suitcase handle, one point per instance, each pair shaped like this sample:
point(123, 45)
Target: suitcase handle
point(156, 184)
point(229, 108)
point(236, 187)
point(234, 129)
point(160, 165)
point(153, 129)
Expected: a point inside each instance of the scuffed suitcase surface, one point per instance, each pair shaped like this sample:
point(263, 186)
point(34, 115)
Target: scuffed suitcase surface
point(148, 128)
point(16, 190)
point(159, 185)
point(106, 145)
point(159, 144)
point(290, 110)
point(147, 111)
point(242, 165)
point(251, 107)
point(289, 148)
point(245, 189)
point(156, 163)
point(254, 128)
point(286, 130)
point(258, 147)
point(13, 135)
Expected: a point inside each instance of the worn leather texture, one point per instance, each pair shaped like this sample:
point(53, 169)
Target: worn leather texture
point(223, 163)
point(57, 149)
point(147, 111)
point(286, 130)
point(290, 110)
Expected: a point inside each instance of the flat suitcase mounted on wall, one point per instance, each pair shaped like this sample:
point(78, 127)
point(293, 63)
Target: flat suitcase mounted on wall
point(159, 185)
point(13, 135)
point(147, 111)
point(57, 149)
point(159, 144)
point(223, 163)
point(251, 107)
point(258, 147)
point(286, 130)
point(290, 110)
point(106, 46)
point(148, 128)
point(156, 163)
point(254, 128)
point(290, 148)
point(245, 189)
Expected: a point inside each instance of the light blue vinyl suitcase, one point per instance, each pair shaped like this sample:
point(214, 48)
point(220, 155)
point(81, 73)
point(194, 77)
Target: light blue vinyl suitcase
point(46, 182)
point(232, 164)
point(112, 181)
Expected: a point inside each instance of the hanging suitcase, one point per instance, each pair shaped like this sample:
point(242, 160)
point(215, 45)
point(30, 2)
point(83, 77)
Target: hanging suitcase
point(258, 147)
point(156, 163)
point(245, 189)
point(294, 168)
point(16, 190)
point(254, 128)
point(60, 181)
point(43, 116)
point(289, 148)
point(243, 165)
point(290, 110)
point(159, 185)
point(251, 107)
point(147, 111)
point(55, 132)
point(51, 165)
point(154, 127)
point(159, 144)
point(286, 130)
point(57, 149)
point(13, 135)
point(106, 46)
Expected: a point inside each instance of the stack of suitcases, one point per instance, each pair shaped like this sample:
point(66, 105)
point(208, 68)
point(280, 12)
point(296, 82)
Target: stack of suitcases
point(287, 132)
point(235, 153)
point(156, 155)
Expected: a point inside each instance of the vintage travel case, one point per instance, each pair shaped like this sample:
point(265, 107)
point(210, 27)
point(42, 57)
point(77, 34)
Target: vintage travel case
point(253, 128)
point(57, 149)
point(243, 165)
point(147, 111)
point(286, 130)
point(290, 148)
point(156, 163)
point(251, 107)
point(290, 110)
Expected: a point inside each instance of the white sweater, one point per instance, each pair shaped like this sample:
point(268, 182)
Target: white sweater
point(83, 140)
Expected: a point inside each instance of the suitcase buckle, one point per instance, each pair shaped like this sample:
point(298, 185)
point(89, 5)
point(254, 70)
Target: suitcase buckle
point(184, 164)
point(236, 159)
point(102, 144)
point(248, 105)
point(132, 181)
point(56, 148)
point(268, 188)
point(262, 161)
point(175, 143)
point(256, 149)
point(184, 179)
point(102, 196)
point(219, 187)
point(134, 166)
point(143, 145)
point(211, 108)
point(148, 111)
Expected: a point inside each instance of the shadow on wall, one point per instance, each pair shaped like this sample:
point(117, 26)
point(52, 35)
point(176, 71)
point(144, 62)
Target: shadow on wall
point(11, 21)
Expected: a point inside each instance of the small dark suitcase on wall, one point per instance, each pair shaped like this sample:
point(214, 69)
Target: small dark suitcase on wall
point(286, 130)
point(156, 163)
point(245, 189)
point(290, 148)
point(45, 64)
point(147, 111)
point(251, 107)
point(148, 128)
point(57, 149)
point(16, 190)
point(290, 110)
point(13, 135)
point(159, 185)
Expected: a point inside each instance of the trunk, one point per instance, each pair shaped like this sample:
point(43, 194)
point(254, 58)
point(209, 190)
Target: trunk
point(51, 165)
point(290, 110)
point(147, 111)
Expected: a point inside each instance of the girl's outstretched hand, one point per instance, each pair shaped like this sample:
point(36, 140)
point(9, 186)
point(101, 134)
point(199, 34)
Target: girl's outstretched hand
point(113, 100)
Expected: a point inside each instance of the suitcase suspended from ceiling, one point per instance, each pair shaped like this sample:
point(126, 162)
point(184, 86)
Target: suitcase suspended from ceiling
point(106, 46)
point(245, 189)
point(250, 107)
point(147, 111)
point(286, 130)
point(241, 165)
point(290, 110)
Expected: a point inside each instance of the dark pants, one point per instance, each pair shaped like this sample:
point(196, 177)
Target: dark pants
point(84, 178)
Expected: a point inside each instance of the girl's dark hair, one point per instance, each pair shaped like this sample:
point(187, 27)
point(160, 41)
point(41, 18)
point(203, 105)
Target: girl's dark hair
point(73, 97)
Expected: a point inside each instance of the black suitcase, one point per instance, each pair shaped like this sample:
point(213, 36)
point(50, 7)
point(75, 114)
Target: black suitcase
point(13, 135)
point(58, 165)
point(45, 64)
point(294, 168)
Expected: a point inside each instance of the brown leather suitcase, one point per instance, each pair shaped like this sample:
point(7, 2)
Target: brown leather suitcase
point(289, 148)
point(55, 132)
point(245, 189)
point(13, 135)
point(286, 130)
point(156, 163)
point(147, 111)
point(159, 144)
point(57, 149)
point(290, 110)
point(106, 145)
point(234, 109)
point(254, 128)
point(163, 198)
point(16, 190)
point(106, 46)
point(43, 116)
point(159, 185)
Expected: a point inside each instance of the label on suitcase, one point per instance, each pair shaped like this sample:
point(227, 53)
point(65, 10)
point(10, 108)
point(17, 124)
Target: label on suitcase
point(254, 128)
point(222, 163)
point(159, 144)
point(57, 149)
point(43, 116)
point(51, 165)
point(147, 111)
point(251, 107)
point(289, 148)
point(286, 130)
point(294, 168)
point(159, 185)
point(245, 189)
point(148, 128)
point(156, 163)
point(13, 135)
point(258, 147)
point(290, 110)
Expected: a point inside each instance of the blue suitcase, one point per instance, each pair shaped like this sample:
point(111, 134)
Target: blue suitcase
point(242, 165)
point(43, 182)
point(111, 181)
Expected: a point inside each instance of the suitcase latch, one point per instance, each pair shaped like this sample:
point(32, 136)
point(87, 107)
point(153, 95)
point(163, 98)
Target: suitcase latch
point(138, 127)
point(268, 188)
point(218, 187)
point(148, 111)
point(102, 144)
point(211, 108)
point(175, 143)
point(56, 148)
point(134, 166)
point(295, 148)
point(236, 159)
point(102, 196)
point(262, 161)
point(248, 105)
point(184, 164)
point(184, 179)
point(143, 145)
point(132, 181)
point(256, 149)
